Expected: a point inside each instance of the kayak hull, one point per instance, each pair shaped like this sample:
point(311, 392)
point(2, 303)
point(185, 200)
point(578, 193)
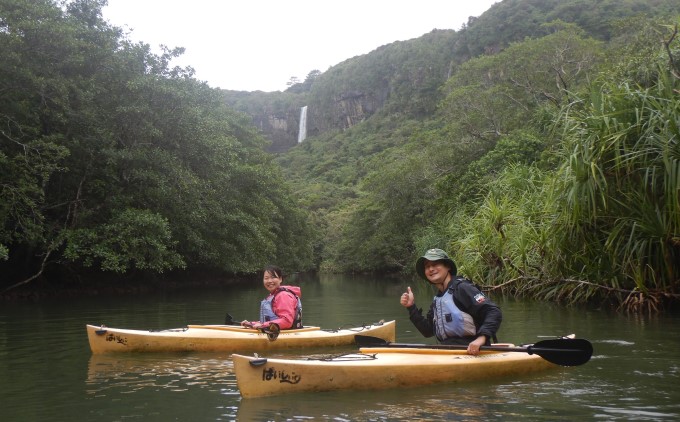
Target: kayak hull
point(224, 338)
point(377, 368)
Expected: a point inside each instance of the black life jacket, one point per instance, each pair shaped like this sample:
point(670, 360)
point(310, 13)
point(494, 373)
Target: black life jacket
point(453, 287)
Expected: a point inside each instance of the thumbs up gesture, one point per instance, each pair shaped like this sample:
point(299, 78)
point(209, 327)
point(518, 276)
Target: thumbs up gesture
point(407, 299)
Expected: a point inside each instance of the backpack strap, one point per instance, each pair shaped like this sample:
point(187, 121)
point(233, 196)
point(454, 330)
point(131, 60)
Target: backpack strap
point(457, 280)
point(297, 322)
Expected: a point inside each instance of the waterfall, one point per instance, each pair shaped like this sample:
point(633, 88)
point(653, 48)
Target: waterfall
point(302, 134)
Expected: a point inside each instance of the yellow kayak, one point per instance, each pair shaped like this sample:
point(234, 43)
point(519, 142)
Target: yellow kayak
point(376, 368)
point(226, 338)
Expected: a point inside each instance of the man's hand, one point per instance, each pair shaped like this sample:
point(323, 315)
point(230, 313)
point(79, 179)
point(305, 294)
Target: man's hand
point(407, 299)
point(474, 346)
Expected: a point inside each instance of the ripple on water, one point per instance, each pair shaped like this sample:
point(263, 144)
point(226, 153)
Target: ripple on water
point(137, 372)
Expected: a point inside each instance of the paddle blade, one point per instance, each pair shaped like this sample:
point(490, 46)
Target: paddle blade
point(369, 341)
point(563, 351)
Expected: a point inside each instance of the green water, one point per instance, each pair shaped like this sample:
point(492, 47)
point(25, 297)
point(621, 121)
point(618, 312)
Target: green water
point(47, 372)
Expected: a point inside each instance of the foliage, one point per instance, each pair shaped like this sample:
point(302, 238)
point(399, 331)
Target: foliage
point(478, 177)
point(132, 239)
point(507, 235)
point(410, 182)
point(496, 112)
point(512, 21)
point(491, 96)
point(538, 144)
point(305, 86)
point(618, 187)
point(401, 78)
point(112, 159)
point(521, 146)
point(606, 224)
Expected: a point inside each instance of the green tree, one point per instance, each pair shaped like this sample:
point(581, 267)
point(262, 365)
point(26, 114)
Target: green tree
point(114, 160)
point(606, 224)
point(491, 96)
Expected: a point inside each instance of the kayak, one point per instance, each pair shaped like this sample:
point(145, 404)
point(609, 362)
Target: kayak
point(375, 368)
point(226, 338)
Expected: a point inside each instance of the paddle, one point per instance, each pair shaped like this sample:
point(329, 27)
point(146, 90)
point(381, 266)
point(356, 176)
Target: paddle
point(229, 320)
point(563, 351)
point(272, 331)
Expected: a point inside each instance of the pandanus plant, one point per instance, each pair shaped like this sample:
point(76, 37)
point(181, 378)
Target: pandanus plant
point(618, 188)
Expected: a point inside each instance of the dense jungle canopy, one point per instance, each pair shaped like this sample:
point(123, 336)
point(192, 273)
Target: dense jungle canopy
point(538, 144)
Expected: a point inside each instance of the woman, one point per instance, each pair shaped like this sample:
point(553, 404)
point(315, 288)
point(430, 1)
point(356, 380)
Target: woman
point(282, 306)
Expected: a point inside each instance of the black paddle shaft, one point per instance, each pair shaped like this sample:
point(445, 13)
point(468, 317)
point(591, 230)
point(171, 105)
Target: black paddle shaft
point(563, 351)
point(272, 331)
point(229, 320)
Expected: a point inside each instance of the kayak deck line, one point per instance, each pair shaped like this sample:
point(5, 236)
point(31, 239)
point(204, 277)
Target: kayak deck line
point(376, 371)
point(216, 338)
point(239, 328)
point(374, 350)
point(394, 365)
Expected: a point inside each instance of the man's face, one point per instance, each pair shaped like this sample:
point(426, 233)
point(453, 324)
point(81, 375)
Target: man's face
point(436, 272)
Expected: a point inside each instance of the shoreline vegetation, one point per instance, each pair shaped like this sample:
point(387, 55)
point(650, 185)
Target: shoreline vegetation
point(628, 301)
point(111, 284)
point(544, 155)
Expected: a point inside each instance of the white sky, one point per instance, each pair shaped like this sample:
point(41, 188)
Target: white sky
point(251, 45)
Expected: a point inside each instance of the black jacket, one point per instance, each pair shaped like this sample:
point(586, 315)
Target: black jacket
point(468, 298)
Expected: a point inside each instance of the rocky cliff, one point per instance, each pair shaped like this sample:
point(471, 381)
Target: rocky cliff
point(277, 114)
point(403, 75)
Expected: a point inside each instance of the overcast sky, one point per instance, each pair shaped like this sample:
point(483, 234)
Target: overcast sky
point(252, 45)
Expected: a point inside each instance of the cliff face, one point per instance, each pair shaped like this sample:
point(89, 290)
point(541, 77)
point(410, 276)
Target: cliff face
point(404, 76)
point(275, 114)
point(353, 107)
point(279, 121)
point(280, 128)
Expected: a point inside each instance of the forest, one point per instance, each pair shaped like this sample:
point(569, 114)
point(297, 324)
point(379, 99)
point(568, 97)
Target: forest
point(112, 161)
point(538, 145)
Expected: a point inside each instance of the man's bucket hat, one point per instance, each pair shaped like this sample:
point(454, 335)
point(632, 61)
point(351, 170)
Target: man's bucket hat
point(434, 255)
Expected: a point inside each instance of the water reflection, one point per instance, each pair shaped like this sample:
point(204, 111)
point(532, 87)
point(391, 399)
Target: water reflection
point(404, 404)
point(127, 373)
point(528, 397)
point(47, 371)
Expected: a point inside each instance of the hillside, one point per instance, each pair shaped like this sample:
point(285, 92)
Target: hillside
point(405, 76)
point(406, 139)
point(538, 145)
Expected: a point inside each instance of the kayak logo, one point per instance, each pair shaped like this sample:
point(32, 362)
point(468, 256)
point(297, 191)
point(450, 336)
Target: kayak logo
point(271, 374)
point(116, 338)
point(480, 298)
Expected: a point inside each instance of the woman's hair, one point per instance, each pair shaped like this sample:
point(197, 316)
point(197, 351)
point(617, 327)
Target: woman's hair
point(273, 270)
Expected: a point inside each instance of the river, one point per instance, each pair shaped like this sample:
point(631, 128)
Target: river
point(47, 372)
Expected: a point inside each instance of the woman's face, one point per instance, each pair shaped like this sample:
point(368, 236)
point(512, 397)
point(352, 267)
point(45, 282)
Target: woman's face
point(271, 281)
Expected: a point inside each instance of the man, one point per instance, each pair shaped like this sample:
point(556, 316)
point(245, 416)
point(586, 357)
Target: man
point(460, 313)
